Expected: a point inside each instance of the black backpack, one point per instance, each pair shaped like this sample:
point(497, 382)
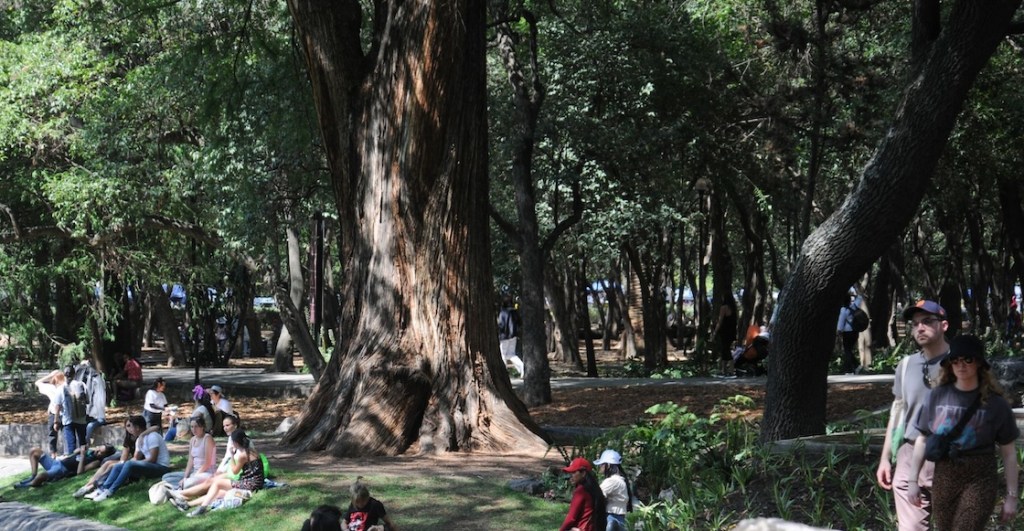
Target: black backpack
point(859, 320)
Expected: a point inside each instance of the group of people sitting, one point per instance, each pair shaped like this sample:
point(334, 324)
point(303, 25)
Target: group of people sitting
point(203, 484)
point(145, 454)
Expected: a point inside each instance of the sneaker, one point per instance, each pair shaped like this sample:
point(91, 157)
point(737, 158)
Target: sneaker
point(23, 484)
point(86, 489)
point(174, 494)
point(93, 494)
point(180, 503)
point(103, 494)
point(202, 509)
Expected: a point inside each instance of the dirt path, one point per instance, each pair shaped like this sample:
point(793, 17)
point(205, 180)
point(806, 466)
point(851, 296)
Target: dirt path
point(504, 466)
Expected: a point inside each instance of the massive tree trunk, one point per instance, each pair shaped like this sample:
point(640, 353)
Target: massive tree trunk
point(405, 133)
point(872, 217)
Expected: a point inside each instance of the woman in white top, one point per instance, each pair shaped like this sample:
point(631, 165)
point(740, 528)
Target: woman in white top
point(202, 458)
point(153, 407)
point(618, 497)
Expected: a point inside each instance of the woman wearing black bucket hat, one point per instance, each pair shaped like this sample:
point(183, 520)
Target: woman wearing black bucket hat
point(965, 487)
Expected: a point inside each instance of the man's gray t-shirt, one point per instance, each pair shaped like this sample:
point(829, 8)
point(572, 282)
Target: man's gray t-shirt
point(913, 390)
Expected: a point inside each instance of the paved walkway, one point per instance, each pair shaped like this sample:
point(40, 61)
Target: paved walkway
point(15, 516)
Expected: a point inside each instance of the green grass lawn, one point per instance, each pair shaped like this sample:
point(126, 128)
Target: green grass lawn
point(413, 503)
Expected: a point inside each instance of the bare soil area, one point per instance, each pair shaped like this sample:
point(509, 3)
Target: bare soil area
point(584, 407)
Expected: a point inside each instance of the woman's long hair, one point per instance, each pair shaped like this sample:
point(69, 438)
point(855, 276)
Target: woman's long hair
point(241, 441)
point(987, 382)
point(971, 345)
point(613, 469)
point(591, 485)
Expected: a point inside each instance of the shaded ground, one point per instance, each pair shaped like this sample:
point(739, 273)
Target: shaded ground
point(577, 407)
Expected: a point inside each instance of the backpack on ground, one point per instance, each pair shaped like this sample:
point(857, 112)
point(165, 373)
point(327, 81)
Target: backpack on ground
point(859, 320)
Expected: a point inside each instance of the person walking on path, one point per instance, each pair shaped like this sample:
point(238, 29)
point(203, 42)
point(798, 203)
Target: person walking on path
point(508, 334)
point(847, 333)
point(965, 485)
point(915, 376)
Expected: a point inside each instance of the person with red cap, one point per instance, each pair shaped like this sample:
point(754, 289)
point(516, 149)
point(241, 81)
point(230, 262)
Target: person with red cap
point(587, 508)
point(915, 376)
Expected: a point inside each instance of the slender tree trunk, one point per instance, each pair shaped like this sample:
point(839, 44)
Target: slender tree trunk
point(627, 339)
point(405, 132)
point(880, 303)
point(566, 345)
point(872, 217)
point(528, 97)
point(283, 349)
point(648, 277)
point(584, 318)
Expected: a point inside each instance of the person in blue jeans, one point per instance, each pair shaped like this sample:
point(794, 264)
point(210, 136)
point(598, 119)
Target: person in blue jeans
point(152, 460)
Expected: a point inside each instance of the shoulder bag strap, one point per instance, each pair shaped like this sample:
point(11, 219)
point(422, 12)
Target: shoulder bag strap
point(955, 432)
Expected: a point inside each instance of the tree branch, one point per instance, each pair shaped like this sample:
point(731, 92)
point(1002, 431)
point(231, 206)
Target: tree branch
point(506, 227)
point(565, 224)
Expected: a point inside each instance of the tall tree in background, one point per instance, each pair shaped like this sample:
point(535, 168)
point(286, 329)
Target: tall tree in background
point(878, 210)
point(404, 128)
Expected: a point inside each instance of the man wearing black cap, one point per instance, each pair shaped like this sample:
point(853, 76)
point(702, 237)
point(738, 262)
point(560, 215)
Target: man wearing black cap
point(915, 375)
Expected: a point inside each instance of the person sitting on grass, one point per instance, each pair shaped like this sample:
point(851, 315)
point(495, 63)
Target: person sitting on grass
point(56, 469)
point(202, 458)
point(246, 464)
point(221, 407)
point(365, 513)
point(224, 468)
point(202, 409)
point(127, 451)
point(152, 460)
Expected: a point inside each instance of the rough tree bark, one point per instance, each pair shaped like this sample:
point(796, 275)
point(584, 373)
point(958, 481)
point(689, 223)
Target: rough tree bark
point(873, 216)
point(405, 135)
point(649, 281)
point(558, 288)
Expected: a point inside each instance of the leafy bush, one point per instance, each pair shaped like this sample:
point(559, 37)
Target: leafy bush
point(709, 473)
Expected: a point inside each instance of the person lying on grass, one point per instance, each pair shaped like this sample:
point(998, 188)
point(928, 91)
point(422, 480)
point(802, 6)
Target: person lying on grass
point(127, 451)
point(57, 469)
point(246, 464)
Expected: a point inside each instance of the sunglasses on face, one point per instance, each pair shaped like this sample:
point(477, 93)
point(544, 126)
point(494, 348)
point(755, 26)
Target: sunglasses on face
point(958, 361)
point(927, 321)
